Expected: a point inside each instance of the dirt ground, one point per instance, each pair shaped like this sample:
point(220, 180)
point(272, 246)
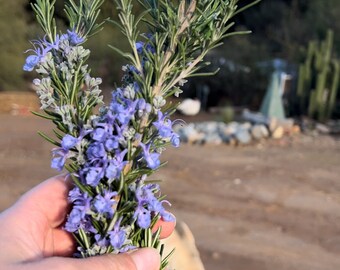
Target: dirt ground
point(263, 207)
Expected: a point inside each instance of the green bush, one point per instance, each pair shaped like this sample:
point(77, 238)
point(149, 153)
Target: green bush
point(13, 29)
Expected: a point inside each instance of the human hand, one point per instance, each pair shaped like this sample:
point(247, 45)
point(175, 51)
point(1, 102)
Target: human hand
point(31, 237)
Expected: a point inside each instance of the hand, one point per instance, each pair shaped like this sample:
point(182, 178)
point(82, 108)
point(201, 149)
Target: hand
point(31, 237)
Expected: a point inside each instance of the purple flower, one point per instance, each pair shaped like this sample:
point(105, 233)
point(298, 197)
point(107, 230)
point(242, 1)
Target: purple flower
point(142, 107)
point(123, 112)
point(166, 216)
point(116, 165)
point(112, 143)
point(93, 176)
point(68, 142)
point(143, 217)
point(41, 48)
point(101, 241)
point(175, 141)
point(152, 159)
point(117, 236)
point(31, 62)
point(74, 194)
point(145, 195)
point(104, 204)
point(99, 134)
point(74, 37)
point(59, 159)
point(148, 47)
point(74, 219)
point(163, 125)
point(131, 69)
point(139, 46)
point(96, 151)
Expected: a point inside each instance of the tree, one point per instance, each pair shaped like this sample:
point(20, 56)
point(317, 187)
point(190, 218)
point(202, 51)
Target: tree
point(13, 43)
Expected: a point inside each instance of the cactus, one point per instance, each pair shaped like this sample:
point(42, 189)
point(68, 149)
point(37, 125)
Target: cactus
point(318, 80)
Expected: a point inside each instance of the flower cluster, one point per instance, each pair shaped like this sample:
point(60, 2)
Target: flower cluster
point(104, 146)
point(61, 63)
point(43, 47)
point(111, 155)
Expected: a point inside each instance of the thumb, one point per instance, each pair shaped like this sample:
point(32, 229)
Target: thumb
point(142, 259)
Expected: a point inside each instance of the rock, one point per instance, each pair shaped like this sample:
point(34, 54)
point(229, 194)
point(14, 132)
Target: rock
point(323, 129)
point(207, 127)
point(226, 138)
point(186, 255)
point(286, 124)
point(273, 124)
point(243, 136)
point(246, 125)
point(213, 139)
point(278, 133)
point(237, 181)
point(259, 132)
point(190, 135)
point(230, 129)
point(216, 255)
point(296, 129)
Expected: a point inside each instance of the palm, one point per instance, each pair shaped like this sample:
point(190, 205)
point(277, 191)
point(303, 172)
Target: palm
point(37, 221)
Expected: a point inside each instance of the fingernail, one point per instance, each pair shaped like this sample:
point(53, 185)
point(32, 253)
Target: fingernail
point(146, 259)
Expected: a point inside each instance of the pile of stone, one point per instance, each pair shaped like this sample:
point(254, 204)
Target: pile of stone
point(253, 127)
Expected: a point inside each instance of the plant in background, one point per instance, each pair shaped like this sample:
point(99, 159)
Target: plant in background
point(318, 80)
point(110, 155)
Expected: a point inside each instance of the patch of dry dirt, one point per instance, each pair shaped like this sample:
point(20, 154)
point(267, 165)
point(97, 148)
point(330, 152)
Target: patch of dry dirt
point(262, 207)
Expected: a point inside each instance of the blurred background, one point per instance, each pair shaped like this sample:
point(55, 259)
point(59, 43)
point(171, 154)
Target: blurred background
point(257, 179)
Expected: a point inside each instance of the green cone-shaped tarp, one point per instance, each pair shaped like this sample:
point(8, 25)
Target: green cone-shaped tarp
point(272, 104)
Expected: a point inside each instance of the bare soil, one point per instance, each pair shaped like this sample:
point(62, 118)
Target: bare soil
point(273, 205)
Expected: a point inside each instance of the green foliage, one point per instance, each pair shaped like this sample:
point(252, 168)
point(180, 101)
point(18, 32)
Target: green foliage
point(13, 43)
point(319, 80)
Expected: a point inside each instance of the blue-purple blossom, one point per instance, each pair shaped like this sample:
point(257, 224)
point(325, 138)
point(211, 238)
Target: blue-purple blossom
point(166, 216)
point(93, 175)
point(31, 62)
point(145, 195)
point(74, 194)
point(164, 127)
point(83, 203)
point(130, 69)
point(117, 236)
point(59, 159)
point(143, 217)
point(96, 151)
point(175, 140)
point(143, 107)
point(116, 165)
point(145, 198)
point(112, 143)
point(68, 142)
point(74, 219)
point(139, 46)
point(101, 241)
point(74, 37)
point(43, 46)
point(104, 204)
point(152, 159)
point(99, 134)
point(123, 111)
